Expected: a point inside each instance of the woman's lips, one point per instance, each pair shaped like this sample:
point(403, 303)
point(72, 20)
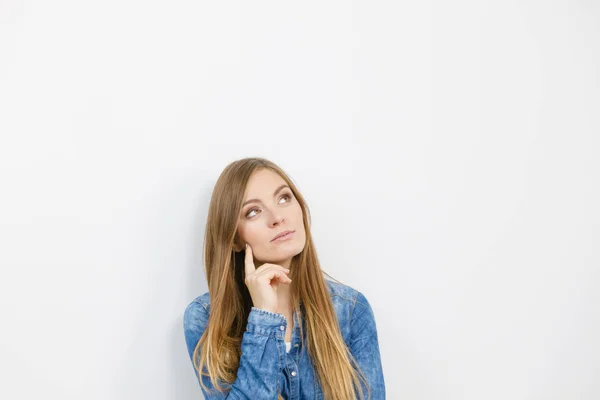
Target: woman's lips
point(287, 236)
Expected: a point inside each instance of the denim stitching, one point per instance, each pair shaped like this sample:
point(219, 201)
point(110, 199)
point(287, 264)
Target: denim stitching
point(278, 364)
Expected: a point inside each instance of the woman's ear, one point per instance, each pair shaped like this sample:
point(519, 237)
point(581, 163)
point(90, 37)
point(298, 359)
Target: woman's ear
point(237, 244)
point(237, 248)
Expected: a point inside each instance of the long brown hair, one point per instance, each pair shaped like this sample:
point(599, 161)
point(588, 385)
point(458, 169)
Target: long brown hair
point(219, 348)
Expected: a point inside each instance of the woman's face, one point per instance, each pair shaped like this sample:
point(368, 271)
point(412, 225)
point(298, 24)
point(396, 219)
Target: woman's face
point(270, 208)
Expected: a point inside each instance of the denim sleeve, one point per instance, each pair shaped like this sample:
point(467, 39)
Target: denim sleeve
point(364, 346)
point(261, 362)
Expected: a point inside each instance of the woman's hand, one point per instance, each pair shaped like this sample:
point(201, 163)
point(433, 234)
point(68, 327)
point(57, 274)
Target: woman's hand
point(262, 282)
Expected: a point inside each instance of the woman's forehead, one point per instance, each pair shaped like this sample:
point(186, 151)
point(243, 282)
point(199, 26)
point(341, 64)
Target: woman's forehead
point(263, 181)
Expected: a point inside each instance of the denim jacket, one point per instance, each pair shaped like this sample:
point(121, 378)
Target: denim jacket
point(266, 368)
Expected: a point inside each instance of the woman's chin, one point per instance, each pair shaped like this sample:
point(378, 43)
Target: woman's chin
point(283, 254)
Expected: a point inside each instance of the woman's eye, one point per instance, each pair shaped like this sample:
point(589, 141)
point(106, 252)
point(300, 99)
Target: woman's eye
point(287, 196)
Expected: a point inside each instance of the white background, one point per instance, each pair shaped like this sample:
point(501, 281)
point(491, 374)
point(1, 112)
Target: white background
point(448, 152)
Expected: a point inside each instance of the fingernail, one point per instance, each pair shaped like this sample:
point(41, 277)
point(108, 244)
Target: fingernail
point(246, 245)
point(287, 269)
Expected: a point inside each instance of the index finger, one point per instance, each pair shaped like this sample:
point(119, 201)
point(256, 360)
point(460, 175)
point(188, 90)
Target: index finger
point(249, 266)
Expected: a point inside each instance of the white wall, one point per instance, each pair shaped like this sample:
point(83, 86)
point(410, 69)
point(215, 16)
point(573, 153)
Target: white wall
point(448, 150)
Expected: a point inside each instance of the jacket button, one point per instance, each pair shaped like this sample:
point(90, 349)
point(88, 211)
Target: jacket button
point(293, 373)
point(282, 327)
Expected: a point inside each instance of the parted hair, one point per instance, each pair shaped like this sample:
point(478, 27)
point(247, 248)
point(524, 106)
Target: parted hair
point(217, 354)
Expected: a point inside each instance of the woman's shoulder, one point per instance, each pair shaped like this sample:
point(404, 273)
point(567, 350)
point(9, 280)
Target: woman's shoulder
point(195, 316)
point(351, 307)
point(346, 299)
point(342, 292)
point(202, 300)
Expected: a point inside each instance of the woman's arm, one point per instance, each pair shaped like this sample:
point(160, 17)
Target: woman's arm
point(261, 362)
point(364, 346)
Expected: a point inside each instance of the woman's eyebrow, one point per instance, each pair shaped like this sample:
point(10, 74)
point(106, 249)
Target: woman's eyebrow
point(274, 194)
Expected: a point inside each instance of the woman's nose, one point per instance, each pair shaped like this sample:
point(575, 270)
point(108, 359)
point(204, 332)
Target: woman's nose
point(277, 220)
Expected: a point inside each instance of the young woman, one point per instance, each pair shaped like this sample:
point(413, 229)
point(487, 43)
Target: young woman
point(270, 325)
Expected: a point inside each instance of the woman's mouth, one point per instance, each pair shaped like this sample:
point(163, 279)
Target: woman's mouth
point(286, 236)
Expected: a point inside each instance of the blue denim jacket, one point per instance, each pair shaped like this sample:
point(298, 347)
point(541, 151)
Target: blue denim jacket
point(265, 366)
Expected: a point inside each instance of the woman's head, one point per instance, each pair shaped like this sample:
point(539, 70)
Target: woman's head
point(269, 209)
point(253, 201)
